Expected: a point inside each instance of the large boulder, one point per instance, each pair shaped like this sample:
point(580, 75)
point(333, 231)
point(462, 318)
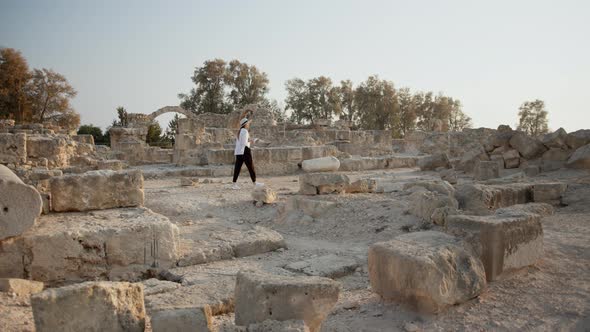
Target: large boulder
point(261, 296)
point(578, 138)
point(485, 170)
point(90, 306)
point(483, 199)
point(471, 158)
point(97, 190)
point(434, 161)
point(429, 271)
point(432, 206)
point(502, 136)
point(505, 241)
point(20, 204)
point(325, 164)
point(580, 158)
point(527, 146)
point(181, 319)
point(264, 195)
point(556, 139)
point(441, 187)
point(556, 154)
point(362, 186)
point(323, 183)
point(511, 158)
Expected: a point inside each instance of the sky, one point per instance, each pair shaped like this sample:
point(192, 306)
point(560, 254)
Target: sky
point(491, 55)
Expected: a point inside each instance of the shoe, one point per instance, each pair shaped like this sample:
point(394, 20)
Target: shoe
point(235, 186)
point(258, 184)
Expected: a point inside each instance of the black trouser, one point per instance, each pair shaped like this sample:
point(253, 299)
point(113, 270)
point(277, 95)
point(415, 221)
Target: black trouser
point(245, 158)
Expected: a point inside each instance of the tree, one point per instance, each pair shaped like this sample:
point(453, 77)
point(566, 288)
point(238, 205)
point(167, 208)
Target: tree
point(69, 120)
point(457, 119)
point(209, 93)
point(172, 129)
point(277, 111)
point(14, 76)
point(95, 131)
point(533, 118)
point(377, 104)
point(322, 98)
point(297, 100)
point(49, 95)
point(122, 115)
point(407, 109)
point(346, 98)
point(154, 133)
point(248, 85)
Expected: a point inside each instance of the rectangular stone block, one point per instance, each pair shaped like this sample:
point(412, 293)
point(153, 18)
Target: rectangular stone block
point(181, 319)
point(260, 296)
point(322, 183)
point(484, 199)
point(549, 192)
point(504, 241)
point(90, 306)
point(20, 287)
point(220, 156)
point(97, 190)
point(13, 148)
point(428, 271)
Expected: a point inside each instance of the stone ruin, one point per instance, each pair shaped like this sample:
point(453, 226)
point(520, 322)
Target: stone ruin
point(74, 221)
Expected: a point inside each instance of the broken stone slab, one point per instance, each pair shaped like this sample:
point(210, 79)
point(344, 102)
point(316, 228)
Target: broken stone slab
point(329, 266)
point(432, 162)
point(441, 187)
point(429, 271)
point(264, 195)
point(556, 139)
point(155, 286)
point(13, 148)
point(555, 154)
point(311, 207)
point(542, 209)
point(527, 146)
point(504, 242)
point(20, 287)
point(278, 326)
point(44, 174)
point(485, 170)
point(114, 165)
point(482, 199)
point(470, 159)
point(97, 190)
point(108, 244)
point(551, 193)
point(90, 306)
point(20, 204)
point(578, 138)
point(261, 296)
point(323, 183)
point(361, 186)
point(580, 158)
point(181, 319)
point(324, 164)
point(432, 206)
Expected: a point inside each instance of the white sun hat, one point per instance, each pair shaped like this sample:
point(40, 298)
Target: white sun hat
point(243, 121)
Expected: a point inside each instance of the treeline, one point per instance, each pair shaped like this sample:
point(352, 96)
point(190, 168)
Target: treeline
point(222, 87)
point(37, 96)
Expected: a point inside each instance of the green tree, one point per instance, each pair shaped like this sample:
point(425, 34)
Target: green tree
point(457, 119)
point(377, 104)
point(93, 130)
point(172, 129)
point(247, 84)
point(154, 134)
point(49, 95)
point(208, 95)
point(296, 100)
point(533, 118)
point(122, 117)
point(14, 76)
point(346, 95)
point(322, 98)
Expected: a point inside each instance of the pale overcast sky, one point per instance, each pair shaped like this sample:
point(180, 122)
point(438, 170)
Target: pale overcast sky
point(492, 55)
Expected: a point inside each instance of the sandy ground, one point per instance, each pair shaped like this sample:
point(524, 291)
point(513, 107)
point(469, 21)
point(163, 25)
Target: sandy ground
point(553, 295)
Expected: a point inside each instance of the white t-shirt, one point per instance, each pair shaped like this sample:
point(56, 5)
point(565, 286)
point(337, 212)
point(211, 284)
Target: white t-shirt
point(242, 142)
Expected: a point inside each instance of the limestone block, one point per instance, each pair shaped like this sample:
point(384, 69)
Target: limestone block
point(264, 195)
point(114, 244)
point(556, 139)
point(556, 154)
point(502, 136)
point(580, 158)
point(54, 148)
point(485, 170)
point(532, 170)
point(441, 187)
point(155, 286)
point(511, 159)
point(97, 190)
point(578, 138)
point(114, 165)
point(329, 266)
point(549, 192)
point(505, 241)
point(13, 148)
point(220, 156)
point(86, 139)
point(362, 186)
point(278, 326)
point(483, 199)
point(432, 206)
point(428, 271)
point(470, 159)
point(322, 183)
point(542, 209)
point(261, 296)
point(44, 174)
point(325, 164)
point(527, 146)
point(181, 319)
point(20, 287)
point(90, 306)
point(20, 204)
point(363, 164)
point(449, 175)
point(432, 162)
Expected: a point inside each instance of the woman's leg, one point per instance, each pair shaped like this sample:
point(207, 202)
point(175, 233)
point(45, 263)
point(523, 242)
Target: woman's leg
point(238, 166)
point(250, 163)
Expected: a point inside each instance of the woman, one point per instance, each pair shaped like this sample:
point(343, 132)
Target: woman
point(244, 154)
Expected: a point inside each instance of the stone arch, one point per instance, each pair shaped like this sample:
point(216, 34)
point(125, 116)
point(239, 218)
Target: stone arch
point(171, 109)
